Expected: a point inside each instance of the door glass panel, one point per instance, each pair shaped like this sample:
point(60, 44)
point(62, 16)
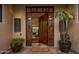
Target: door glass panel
point(33, 10)
point(45, 10)
point(50, 10)
point(39, 10)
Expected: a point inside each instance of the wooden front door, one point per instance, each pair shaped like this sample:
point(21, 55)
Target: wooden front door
point(43, 29)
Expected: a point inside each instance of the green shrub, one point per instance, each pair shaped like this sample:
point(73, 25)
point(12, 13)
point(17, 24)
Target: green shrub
point(63, 15)
point(16, 41)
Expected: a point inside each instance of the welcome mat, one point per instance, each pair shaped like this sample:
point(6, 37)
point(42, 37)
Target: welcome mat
point(40, 49)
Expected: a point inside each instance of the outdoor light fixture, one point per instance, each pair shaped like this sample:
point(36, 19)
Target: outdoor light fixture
point(29, 18)
point(50, 18)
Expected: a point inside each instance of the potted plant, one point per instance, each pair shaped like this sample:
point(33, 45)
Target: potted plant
point(16, 44)
point(64, 17)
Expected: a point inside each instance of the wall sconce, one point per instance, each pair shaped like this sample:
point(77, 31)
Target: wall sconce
point(50, 18)
point(29, 18)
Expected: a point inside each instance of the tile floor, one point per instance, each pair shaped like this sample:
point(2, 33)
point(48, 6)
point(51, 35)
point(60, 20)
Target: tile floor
point(28, 50)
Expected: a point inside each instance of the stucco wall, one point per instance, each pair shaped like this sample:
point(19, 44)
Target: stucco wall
point(74, 28)
point(20, 13)
point(5, 27)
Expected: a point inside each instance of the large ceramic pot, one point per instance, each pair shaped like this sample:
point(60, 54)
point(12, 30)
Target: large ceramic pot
point(64, 46)
point(16, 48)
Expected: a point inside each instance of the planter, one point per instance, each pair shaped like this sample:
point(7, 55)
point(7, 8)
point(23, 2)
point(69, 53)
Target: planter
point(16, 48)
point(16, 44)
point(64, 46)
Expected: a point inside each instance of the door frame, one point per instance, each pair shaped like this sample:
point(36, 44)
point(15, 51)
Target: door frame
point(38, 12)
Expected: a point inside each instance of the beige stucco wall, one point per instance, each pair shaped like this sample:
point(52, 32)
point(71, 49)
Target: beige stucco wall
point(20, 13)
point(74, 28)
point(6, 27)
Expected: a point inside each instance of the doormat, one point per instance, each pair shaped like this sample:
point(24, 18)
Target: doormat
point(40, 49)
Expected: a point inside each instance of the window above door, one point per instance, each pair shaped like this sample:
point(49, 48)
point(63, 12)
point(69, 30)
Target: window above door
point(40, 9)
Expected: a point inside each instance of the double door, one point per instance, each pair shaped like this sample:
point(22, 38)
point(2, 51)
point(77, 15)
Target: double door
point(46, 31)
